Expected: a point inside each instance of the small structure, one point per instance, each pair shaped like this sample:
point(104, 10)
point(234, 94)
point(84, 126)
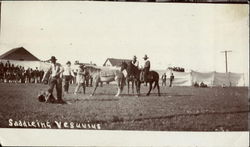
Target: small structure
point(113, 62)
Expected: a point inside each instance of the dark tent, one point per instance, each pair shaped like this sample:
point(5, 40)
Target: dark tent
point(21, 57)
point(20, 54)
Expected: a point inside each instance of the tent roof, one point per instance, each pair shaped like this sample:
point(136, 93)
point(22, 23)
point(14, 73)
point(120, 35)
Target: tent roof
point(116, 62)
point(20, 54)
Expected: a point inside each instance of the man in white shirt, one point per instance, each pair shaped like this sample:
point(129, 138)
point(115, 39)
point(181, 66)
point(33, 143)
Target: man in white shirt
point(67, 75)
point(56, 71)
point(146, 68)
point(135, 62)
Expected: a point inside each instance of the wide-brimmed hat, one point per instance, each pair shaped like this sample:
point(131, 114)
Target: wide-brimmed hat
point(53, 58)
point(68, 62)
point(145, 57)
point(76, 62)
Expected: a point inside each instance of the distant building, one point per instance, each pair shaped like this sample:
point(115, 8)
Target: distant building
point(113, 62)
point(21, 57)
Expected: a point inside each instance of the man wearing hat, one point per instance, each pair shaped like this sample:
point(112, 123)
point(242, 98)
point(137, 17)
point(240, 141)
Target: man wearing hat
point(55, 78)
point(67, 75)
point(146, 68)
point(135, 62)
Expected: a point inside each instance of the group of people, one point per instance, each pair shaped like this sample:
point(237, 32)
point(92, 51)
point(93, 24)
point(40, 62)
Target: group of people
point(178, 69)
point(10, 73)
point(203, 85)
point(164, 79)
point(80, 76)
point(57, 73)
point(145, 67)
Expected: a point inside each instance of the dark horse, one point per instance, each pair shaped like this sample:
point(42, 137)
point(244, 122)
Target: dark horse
point(133, 71)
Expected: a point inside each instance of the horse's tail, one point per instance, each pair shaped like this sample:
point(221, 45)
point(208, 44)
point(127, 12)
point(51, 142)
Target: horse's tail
point(156, 83)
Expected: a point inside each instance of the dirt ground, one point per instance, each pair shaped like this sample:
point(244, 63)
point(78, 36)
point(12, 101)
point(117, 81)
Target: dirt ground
point(178, 109)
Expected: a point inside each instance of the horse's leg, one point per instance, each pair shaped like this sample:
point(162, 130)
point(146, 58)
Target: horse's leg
point(84, 87)
point(138, 88)
point(158, 88)
point(118, 92)
point(133, 82)
point(123, 84)
point(96, 85)
point(150, 88)
point(128, 85)
point(119, 88)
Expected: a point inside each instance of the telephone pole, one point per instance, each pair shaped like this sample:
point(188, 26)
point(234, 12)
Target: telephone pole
point(225, 52)
point(0, 14)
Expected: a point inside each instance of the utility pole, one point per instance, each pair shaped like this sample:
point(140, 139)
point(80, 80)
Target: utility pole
point(225, 52)
point(0, 15)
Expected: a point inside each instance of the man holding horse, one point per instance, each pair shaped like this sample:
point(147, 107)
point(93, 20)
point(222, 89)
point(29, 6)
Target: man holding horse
point(135, 62)
point(56, 71)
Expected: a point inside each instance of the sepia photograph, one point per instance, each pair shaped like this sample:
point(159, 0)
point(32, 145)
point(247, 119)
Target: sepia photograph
point(87, 65)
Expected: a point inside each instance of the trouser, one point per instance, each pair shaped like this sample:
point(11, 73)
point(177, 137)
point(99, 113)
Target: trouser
point(170, 84)
point(66, 83)
point(58, 83)
point(145, 74)
point(164, 82)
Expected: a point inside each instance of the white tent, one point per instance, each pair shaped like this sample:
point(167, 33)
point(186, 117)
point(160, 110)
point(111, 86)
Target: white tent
point(208, 78)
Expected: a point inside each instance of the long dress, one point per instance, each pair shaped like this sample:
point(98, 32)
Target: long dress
point(80, 79)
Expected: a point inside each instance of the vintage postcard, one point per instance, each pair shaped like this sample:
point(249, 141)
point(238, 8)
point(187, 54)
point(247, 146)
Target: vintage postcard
point(89, 67)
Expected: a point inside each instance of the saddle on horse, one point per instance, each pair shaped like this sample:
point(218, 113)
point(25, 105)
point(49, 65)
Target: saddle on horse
point(145, 76)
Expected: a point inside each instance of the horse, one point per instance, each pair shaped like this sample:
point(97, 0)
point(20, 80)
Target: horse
point(106, 74)
point(132, 80)
point(152, 77)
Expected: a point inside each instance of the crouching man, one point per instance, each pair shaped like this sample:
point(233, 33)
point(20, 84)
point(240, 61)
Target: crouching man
point(56, 71)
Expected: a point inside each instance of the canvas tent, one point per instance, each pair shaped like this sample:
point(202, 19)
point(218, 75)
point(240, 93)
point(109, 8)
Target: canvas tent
point(21, 57)
point(209, 78)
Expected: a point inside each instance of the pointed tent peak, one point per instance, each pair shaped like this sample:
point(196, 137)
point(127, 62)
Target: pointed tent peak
point(20, 54)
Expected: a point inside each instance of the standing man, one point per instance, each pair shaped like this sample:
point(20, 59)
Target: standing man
point(171, 79)
point(135, 62)
point(36, 75)
point(56, 78)
point(67, 74)
point(164, 79)
point(146, 68)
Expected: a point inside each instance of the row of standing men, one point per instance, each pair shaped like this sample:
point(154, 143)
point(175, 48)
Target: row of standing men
point(10, 73)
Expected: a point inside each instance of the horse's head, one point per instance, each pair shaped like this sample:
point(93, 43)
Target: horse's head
point(124, 65)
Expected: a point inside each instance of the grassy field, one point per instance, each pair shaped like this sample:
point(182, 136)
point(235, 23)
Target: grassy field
point(178, 109)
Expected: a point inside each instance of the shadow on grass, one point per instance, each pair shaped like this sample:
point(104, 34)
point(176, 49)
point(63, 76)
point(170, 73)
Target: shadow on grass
point(174, 94)
point(99, 99)
point(162, 95)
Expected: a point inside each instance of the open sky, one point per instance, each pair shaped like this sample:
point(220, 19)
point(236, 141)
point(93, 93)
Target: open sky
point(186, 35)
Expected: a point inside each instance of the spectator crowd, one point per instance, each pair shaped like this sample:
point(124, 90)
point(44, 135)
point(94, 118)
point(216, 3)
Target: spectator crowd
point(178, 69)
point(10, 73)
